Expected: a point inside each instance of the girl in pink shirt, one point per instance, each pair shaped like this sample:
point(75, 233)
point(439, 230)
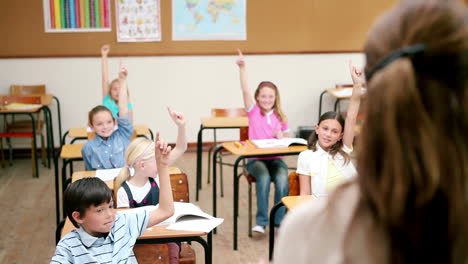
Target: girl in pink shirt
point(266, 120)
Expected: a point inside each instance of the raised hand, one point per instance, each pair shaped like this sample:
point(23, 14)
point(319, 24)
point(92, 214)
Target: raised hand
point(123, 73)
point(162, 151)
point(105, 50)
point(240, 59)
point(177, 117)
point(356, 74)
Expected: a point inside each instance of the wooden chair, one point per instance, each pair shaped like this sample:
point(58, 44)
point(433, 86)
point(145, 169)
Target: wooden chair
point(243, 135)
point(7, 134)
point(24, 125)
point(293, 179)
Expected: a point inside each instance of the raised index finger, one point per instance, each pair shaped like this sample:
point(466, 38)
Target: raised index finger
point(239, 52)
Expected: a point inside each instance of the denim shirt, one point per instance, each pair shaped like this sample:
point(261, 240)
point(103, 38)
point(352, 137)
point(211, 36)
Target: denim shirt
point(101, 154)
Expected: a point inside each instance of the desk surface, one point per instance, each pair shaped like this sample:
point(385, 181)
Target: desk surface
point(71, 151)
point(219, 122)
point(151, 233)
point(292, 202)
point(86, 174)
point(250, 149)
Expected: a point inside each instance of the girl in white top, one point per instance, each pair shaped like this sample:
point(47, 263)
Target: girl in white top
point(327, 161)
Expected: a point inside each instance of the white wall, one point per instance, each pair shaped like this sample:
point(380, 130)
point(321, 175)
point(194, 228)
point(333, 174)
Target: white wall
point(190, 84)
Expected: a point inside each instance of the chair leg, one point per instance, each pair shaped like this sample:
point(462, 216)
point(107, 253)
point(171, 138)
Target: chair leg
point(209, 164)
point(10, 151)
point(250, 209)
point(221, 174)
point(210, 150)
point(43, 151)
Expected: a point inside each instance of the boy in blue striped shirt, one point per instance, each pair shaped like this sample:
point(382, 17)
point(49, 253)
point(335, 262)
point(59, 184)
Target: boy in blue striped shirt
point(104, 236)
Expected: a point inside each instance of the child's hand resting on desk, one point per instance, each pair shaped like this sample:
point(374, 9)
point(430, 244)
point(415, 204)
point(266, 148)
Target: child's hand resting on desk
point(162, 151)
point(240, 60)
point(177, 117)
point(105, 50)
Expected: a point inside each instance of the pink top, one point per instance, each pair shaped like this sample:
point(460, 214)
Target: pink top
point(264, 126)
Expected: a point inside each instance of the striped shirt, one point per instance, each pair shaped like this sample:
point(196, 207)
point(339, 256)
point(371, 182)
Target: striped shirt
point(117, 247)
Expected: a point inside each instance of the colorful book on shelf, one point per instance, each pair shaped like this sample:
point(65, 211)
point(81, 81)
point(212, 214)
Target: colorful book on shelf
point(278, 143)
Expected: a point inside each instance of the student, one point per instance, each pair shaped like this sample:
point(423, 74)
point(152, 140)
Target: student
point(107, 150)
point(409, 203)
point(327, 162)
point(266, 120)
point(137, 183)
point(104, 236)
point(111, 91)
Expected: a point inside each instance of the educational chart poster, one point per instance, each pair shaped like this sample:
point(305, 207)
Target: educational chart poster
point(209, 20)
point(138, 20)
point(77, 15)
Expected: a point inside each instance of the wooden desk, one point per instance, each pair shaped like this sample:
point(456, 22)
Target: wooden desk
point(247, 151)
point(160, 234)
point(45, 101)
point(214, 123)
point(290, 202)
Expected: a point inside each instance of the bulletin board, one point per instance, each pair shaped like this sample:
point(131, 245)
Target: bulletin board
point(273, 27)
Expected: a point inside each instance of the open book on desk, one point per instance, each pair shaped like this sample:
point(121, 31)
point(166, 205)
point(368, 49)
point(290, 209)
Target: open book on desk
point(278, 143)
point(190, 217)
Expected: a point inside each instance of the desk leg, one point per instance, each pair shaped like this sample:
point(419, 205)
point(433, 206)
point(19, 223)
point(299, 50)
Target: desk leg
point(59, 116)
point(50, 134)
point(199, 161)
point(206, 246)
point(271, 243)
point(320, 104)
point(36, 168)
point(335, 108)
point(215, 154)
point(57, 194)
point(236, 198)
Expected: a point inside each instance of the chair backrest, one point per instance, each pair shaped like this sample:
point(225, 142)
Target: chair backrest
point(179, 184)
point(228, 112)
point(27, 89)
point(232, 112)
point(294, 188)
point(21, 99)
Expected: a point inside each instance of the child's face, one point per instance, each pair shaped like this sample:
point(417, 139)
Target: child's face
point(97, 219)
point(148, 167)
point(329, 132)
point(266, 98)
point(103, 124)
point(115, 91)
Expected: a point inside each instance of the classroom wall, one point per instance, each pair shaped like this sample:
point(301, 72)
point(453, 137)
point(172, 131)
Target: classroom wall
point(190, 84)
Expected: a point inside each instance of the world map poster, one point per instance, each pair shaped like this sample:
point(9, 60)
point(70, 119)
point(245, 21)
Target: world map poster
point(209, 20)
